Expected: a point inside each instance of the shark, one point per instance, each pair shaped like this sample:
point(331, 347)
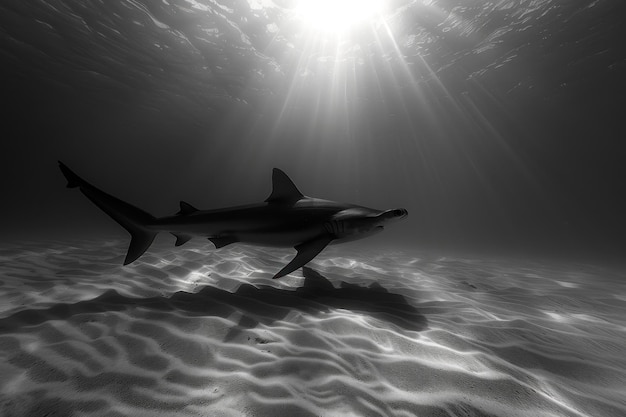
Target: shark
point(287, 218)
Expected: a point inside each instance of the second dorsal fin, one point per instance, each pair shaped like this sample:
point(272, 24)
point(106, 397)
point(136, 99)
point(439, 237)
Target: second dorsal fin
point(284, 191)
point(186, 208)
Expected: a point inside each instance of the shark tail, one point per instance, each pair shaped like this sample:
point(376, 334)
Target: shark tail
point(133, 219)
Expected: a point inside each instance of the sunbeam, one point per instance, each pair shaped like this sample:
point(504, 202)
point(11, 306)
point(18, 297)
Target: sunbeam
point(337, 16)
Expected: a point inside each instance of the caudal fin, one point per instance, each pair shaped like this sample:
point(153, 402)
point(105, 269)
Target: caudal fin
point(134, 220)
point(73, 180)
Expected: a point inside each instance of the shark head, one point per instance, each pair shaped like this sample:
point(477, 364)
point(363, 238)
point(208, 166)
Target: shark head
point(379, 222)
point(360, 222)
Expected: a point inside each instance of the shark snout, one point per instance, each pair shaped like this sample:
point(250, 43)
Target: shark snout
point(397, 214)
point(400, 213)
point(394, 214)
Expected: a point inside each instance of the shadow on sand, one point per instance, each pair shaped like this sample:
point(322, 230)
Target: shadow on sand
point(262, 304)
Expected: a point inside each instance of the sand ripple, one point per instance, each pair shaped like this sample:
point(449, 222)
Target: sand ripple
point(193, 331)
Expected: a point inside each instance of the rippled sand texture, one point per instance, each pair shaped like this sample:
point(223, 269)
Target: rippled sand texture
point(194, 331)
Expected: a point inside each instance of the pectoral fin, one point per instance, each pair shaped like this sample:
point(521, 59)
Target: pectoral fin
point(306, 252)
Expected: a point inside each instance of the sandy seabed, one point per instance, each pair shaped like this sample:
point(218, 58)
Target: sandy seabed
point(194, 331)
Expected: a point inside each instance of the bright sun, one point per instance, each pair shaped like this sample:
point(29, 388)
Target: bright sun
point(336, 16)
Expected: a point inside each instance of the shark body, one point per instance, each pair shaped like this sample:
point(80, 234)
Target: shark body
point(287, 218)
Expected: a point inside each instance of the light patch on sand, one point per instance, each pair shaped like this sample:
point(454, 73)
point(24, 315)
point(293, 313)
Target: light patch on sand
point(567, 284)
point(556, 316)
point(195, 331)
point(14, 384)
point(31, 346)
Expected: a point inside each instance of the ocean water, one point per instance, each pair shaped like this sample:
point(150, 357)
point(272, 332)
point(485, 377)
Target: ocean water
point(498, 125)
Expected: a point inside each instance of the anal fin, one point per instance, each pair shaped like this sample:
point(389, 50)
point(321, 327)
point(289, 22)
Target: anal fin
point(222, 241)
point(181, 239)
point(306, 252)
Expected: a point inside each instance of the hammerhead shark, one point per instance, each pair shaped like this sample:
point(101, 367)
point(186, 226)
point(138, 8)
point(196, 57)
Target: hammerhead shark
point(287, 218)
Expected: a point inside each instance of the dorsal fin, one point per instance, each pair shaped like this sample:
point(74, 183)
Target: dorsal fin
point(186, 208)
point(284, 191)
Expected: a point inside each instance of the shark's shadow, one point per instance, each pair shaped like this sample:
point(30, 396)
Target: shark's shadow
point(256, 304)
